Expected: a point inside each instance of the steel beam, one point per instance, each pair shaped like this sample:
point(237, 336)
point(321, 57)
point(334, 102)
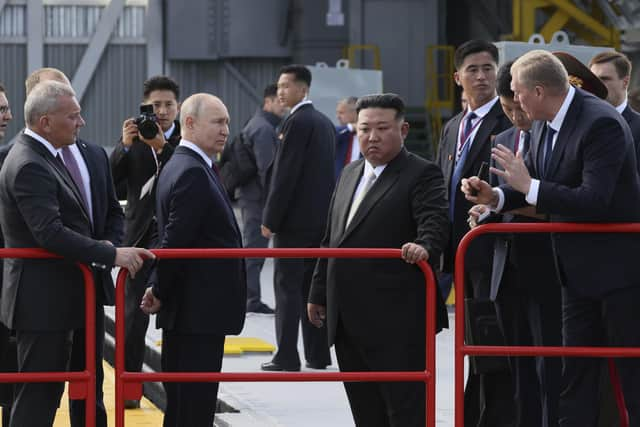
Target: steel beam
point(35, 35)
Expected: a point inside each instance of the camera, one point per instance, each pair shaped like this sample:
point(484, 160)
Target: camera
point(147, 122)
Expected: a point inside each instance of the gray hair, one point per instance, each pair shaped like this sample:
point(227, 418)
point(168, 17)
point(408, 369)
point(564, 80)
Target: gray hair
point(541, 68)
point(44, 98)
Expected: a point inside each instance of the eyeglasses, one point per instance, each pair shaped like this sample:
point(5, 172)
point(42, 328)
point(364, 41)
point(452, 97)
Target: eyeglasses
point(5, 109)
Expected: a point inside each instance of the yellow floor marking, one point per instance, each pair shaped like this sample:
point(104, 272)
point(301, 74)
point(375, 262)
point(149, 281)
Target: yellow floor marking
point(239, 345)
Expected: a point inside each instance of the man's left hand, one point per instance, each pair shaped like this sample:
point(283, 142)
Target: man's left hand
point(157, 142)
point(266, 233)
point(412, 253)
point(515, 172)
point(150, 304)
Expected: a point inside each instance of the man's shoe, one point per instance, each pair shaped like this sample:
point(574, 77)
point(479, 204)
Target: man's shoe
point(312, 365)
point(262, 308)
point(274, 367)
point(131, 404)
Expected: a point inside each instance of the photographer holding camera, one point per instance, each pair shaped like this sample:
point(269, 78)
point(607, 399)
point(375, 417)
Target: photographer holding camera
point(147, 143)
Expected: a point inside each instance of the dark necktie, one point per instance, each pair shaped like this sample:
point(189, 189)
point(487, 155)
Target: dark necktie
point(457, 171)
point(526, 143)
point(548, 148)
point(74, 170)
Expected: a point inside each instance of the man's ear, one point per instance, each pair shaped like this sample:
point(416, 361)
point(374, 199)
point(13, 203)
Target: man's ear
point(626, 82)
point(456, 78)
point(404, 129)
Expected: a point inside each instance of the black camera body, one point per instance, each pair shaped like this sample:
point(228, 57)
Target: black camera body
point(147, 122)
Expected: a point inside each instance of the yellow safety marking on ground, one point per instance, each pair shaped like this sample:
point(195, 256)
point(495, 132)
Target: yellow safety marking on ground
point(147, 415)
point(452, 297)
point(240, 345)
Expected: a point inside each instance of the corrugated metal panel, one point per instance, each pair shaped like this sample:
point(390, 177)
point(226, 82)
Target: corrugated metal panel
point(212, 77)
point(131, 23)
point(65, 57)
point(13, 69)
point(13, 21)
point(71, 21)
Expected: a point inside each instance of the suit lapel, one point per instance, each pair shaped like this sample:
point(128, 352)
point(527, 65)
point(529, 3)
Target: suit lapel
point(350, 183)
point(568, 126)
point(449, 147)
point(537, 133)
point(384, 182)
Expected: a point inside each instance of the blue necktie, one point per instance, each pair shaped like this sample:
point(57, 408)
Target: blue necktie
point(548, 147)
point(457, 171)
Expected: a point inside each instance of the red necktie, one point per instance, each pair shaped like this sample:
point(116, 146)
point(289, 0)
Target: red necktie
point(347, 158)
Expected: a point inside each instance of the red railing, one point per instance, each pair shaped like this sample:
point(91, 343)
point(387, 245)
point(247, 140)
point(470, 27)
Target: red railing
point(82, 384)
point(129, 384)
point(463, 350)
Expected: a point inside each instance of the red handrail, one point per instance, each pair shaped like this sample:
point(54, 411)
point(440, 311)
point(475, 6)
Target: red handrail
point(478, 350)
point(129, 384)
point(82, 384)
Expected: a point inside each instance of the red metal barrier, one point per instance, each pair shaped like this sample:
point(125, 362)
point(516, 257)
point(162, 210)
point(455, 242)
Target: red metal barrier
point(478, 350)
point(82, 384)
point(129, 384)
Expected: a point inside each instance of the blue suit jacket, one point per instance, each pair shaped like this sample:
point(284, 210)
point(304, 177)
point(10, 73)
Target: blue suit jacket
point(200, 296)
point(343, 136)
point(591, 177)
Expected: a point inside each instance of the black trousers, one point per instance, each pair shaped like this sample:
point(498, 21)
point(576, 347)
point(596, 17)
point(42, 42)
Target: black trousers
point(382, 404)
point(609, 320)
point(252, 238)
point(191, 404)
point(8, 363)
point(292, 281)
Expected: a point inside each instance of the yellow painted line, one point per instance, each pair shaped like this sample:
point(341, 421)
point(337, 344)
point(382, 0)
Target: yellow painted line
point(452, 297)
point(234, 346)
point(147, 415)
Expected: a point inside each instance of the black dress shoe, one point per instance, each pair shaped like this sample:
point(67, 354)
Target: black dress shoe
point(131, 404)
point(312, 365)
point(274, 367)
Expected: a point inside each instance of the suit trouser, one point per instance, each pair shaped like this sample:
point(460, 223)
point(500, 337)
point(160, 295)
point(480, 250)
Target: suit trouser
point(252, 238)
point(191, 404)
point(382, 404)
point(485, 393)
point(8, 365)
point(292, 281)
point(608, 320)
point(526, 321)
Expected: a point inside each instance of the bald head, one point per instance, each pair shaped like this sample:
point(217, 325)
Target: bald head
point(204, 120)
point(43, 75)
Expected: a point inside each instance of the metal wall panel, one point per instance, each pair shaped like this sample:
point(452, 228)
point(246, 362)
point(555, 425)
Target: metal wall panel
point(212, 77)
point(13, 21)
point(13, 69)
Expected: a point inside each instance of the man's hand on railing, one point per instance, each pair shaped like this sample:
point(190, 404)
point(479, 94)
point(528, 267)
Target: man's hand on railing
point(413, 252)
point(132, 259)
point(150, 304)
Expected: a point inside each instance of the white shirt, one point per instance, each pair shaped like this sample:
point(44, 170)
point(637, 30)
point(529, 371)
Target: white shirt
point(355, 148)
point(190, 145)
point(556, 125)
point(367, 171)
point(304, 101)
point(480, 112)
point(54, 151)
point(620, 108)
point(168, 133)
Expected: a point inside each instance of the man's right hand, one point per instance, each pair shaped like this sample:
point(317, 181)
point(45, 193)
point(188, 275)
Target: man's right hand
point(317, 314)
point(485, 194)
point(132, 259)
point(129, 132)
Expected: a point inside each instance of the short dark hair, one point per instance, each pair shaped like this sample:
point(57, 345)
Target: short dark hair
point(300, 73)
point(503, 80)
point(270, 91)
point(619, 61)
point(160, 83)
point(474, 46)
point(382, 100)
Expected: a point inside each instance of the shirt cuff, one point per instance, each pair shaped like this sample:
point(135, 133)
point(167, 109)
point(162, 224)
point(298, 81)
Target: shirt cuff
point(532, 195)
point(498, 207)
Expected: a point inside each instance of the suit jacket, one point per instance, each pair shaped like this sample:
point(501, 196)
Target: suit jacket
point(494, 122)
point(303, 177)
point(380, 301)
point(633, 120)
point(591, 177)
point(40, 206)
point(133, 168)
point(530, 254)
point(343, 138)
point(198, 295)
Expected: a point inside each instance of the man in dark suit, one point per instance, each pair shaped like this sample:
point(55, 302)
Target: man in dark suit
point(136, 163)
point(296, 213)
point(42, 206)
point(525, 288)
point(581, 168)
point(374, 309)
point(260, 135)
point(198, 301)
point(464, 145)
point(347, 147)
point(614, 69)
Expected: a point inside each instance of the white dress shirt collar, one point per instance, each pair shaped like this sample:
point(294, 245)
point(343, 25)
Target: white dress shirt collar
point(168, 133)
point(190, 145)
point(54, 151)
point(620, 108)
point(368, 168)
point(558, 119)
point(484, 109)
point(304, 101)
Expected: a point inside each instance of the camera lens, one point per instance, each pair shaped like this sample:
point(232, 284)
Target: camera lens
point(147, 128)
